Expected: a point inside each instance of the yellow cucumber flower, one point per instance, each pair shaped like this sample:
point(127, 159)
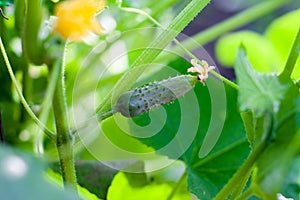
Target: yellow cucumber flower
point(76, 19)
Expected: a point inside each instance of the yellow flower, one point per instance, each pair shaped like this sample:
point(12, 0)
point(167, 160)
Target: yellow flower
point(201, 70)
point(76, 18)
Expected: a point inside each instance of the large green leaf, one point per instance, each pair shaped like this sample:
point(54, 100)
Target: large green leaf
point(208, 175)
point(258, 92)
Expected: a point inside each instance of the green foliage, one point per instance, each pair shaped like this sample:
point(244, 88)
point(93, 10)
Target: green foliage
point(6, 2)
point(260, 93)
point(22, 177)
point(220, 133)
point(275, 109)
point(281, 32)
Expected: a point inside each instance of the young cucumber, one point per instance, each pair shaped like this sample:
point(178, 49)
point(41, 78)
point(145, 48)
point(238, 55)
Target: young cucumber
point(142, 99)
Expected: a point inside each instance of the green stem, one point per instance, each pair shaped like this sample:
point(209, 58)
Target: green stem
point(158, 8)
point(179, 183)
point(153, 50)
point(19, 16)
point(234, 22)
point(292, 59)
point(246, 194)
point(225, 80)
point(189, 53)
point(46, 105)
point(33, 20)
point(102, 116)
point(49, 133)
point(240, 187)
point(64, 139)
point(26, 85)
point(244, 169)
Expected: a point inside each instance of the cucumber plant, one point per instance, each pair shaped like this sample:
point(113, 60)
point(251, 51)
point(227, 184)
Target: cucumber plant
point(261, 112)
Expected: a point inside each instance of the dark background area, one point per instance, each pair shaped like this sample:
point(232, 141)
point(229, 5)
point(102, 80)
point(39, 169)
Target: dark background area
point(220, 10)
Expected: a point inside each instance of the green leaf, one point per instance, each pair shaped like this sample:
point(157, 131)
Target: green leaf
point(255, 128)
point(22, 177)
point(258, 92)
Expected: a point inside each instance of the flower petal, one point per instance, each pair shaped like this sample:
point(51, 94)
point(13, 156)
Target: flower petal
point(77, 19)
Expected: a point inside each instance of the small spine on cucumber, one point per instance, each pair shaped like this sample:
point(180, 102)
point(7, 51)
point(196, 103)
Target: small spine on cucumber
point(140, 100)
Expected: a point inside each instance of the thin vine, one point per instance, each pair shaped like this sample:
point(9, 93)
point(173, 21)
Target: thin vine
point(48, 132)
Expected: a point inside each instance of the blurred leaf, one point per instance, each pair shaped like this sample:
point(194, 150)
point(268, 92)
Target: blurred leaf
point(281, 32)
point(258, 92)
point(22, 177)
point(288, 111)
point(95, 176)
point(292, 181)
point(10, 117)
point(271, 176)
point(122, 189)
point(83, 192)
point(272, 173)
point(256, 45)
point(6, 2)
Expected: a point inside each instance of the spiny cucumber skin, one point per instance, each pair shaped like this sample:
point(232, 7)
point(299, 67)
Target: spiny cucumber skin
point(138, 101)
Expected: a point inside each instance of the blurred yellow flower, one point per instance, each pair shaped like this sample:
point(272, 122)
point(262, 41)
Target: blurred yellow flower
point(77, 18)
